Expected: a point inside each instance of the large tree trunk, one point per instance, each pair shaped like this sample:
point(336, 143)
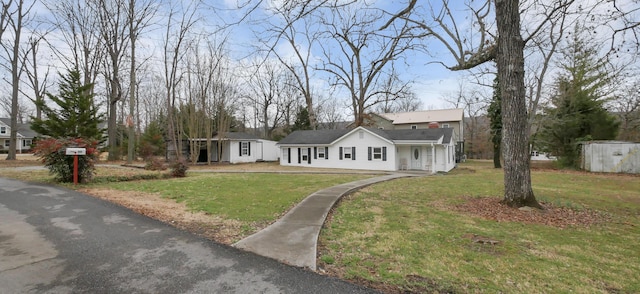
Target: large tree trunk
point(510, 61)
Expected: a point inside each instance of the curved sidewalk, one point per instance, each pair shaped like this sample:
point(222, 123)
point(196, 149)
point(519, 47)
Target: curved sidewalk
point(293, 238)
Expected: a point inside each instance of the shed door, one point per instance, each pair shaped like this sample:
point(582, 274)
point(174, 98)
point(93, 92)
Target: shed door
point(416, 158)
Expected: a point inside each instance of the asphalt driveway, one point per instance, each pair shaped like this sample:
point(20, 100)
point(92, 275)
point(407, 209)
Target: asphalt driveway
point(54, 240)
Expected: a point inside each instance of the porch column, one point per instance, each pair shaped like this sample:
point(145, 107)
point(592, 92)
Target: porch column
point(433, 159)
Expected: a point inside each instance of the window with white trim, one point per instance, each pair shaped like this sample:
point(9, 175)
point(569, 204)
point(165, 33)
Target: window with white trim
point(244, 148)
point(320, 152)
point(285, 154)
point(7, 143)
point(3, 130)
point(26, 142)
point(414, 127)
point(445, 126)
point(346, 152)
point(377, 153)
point(304, 152)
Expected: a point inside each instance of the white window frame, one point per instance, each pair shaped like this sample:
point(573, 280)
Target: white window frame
point(7, 143)
point(3, 130)
point(244, 147)
point(445, 126)
point(304, 154)
point(25, 144)
point(414, 127)
point(321, 152)
point(346, 152)
point(376, 155)
point(285, 154)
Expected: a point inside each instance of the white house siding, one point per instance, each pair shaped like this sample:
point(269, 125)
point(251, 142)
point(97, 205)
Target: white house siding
point(236, 157)
point(611, 157)
point(270, 152)
point(359, 139)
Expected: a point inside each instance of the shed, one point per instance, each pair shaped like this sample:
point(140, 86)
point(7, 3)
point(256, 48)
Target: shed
point(611, 157)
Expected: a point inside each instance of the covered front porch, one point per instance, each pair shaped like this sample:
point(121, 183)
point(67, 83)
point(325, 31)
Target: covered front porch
point(425, 157)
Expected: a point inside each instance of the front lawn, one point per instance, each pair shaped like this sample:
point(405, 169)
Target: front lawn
point(410, 235)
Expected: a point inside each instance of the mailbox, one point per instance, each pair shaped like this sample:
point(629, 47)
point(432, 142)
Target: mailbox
point(76, 151)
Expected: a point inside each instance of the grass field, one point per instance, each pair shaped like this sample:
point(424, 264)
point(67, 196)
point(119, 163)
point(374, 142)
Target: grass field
point(406, 235)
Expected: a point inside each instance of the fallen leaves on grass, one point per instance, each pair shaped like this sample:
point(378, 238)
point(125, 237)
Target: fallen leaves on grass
point(559, 217)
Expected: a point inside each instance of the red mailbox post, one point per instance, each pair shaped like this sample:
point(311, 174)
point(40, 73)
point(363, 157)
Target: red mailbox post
point(76, 152)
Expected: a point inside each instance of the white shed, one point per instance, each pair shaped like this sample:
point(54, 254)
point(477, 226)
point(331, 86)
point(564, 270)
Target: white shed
point(611, 157)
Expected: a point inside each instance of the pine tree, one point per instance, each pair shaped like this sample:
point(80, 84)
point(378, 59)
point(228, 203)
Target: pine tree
point(495, 117)
point(76, 115)
point(577, 112)
point(302, 120)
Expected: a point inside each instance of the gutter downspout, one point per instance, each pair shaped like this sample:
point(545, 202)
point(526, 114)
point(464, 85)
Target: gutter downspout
point(433, 159)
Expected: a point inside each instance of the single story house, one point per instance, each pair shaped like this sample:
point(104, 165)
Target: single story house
point(431, 150)
point(611, 157)
point(235, 147)
point(423, 119)
point(24, 136)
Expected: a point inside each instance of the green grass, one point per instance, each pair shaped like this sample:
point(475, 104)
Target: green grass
point(247, 197)
point(403, 233)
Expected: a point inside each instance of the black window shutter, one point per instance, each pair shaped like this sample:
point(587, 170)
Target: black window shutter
point(299, 155)
point(340, 153)
point(288, 155)
point(309, 155)
point(369, 150)
point(249, 148)
point(326, 152)
point(315, 152)
point(353, 153)
point(240, 148)
point(384, 153)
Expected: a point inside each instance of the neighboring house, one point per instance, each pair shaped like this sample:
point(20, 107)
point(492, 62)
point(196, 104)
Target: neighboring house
point(371, 149)
point(611, 157)
point(24, 138)
point(235, 147)
point(441, 118)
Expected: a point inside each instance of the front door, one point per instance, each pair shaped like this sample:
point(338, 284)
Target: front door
point(416, 158)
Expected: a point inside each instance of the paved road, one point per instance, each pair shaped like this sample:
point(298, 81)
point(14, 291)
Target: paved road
point(53, 240)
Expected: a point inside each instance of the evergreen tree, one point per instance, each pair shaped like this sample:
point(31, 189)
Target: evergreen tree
point(495, 123)
point(76, 115)
point(302, 120)
point(577, 112)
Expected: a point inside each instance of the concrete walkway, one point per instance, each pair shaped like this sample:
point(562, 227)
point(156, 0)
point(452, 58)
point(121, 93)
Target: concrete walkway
point(293, 239)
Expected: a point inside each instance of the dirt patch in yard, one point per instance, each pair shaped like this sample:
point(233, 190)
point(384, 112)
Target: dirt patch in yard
point(173, 213)
point(551, 215)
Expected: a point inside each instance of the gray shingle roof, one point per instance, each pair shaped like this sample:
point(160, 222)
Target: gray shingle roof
point(318, 137)
point(23, 129)
point(325, 137)
point(421, 134)
point(239, 136)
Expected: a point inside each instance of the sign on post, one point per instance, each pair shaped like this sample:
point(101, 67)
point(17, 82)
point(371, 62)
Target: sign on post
point(75, 152)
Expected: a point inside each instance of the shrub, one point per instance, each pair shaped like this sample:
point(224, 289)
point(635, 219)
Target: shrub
point(52, 152)
point(154, 163)
point(179, 168)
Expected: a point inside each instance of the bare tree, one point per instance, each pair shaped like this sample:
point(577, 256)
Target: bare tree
point(299, 35)
point(139, 14)
point(627, 107)
point(180, 21)
point(76, 23)
point(268, 85)
point(113, 31)
point(364, 53)
point(507, 51)
point(16, 17)
point(39, 87)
